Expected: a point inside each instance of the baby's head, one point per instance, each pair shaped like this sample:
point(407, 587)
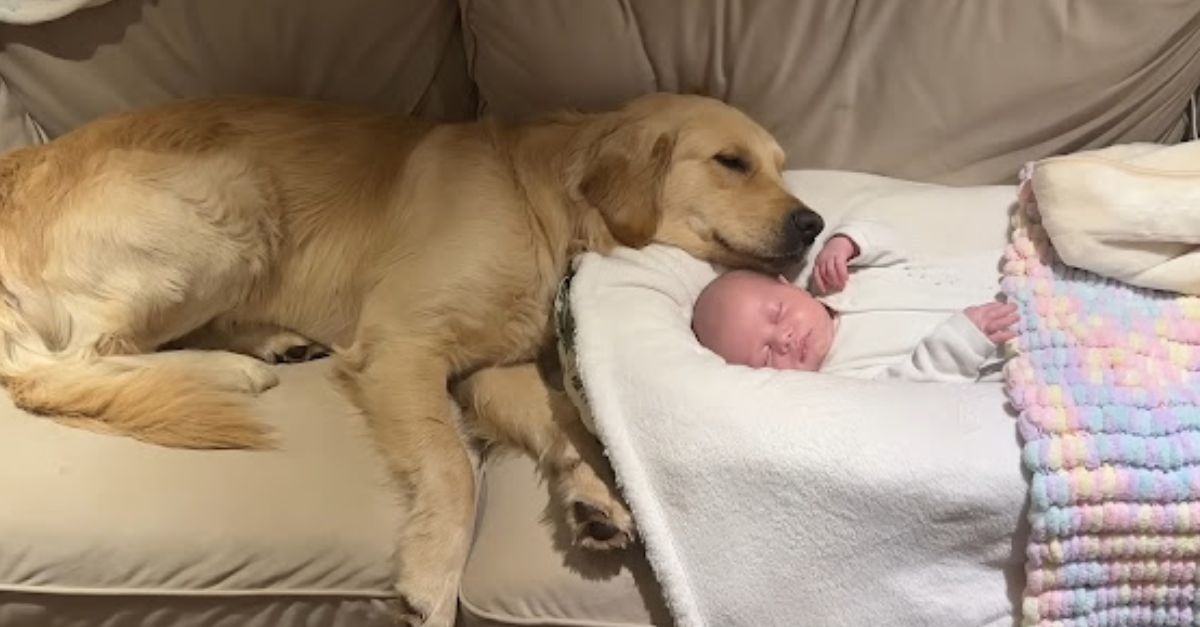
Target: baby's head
point(752, 319)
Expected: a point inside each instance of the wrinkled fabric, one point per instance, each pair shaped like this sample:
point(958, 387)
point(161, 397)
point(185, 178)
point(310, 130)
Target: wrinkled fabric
point(952, 92)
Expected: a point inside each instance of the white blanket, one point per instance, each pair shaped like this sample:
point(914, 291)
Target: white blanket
point(785, 498)
point(1130, 212)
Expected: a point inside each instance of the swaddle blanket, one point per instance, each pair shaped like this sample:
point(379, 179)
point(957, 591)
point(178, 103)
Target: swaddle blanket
point(1106, 385)
point(784, 499)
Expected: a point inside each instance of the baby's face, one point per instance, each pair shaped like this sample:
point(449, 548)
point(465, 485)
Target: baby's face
point(757, 321)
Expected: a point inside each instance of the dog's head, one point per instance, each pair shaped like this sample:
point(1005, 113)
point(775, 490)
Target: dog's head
point(698, 174)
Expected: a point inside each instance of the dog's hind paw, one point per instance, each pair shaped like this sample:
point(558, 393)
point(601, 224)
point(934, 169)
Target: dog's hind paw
point(245, 374)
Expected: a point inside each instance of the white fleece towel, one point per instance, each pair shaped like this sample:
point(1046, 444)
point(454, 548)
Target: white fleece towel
point(34, 11)
point(1129, 212)
point(771, 498)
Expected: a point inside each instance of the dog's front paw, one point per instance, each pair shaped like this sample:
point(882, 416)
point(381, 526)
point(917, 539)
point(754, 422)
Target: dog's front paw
point(603, 525)
point(405, 614)
point(425, 601)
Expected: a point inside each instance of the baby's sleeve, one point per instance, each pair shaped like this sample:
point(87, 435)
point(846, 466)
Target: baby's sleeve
point(954, 353)
point(877, 243)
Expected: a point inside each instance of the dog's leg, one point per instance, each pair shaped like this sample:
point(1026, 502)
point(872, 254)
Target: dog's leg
point(512, 405)
point(268, 342)
point(224, 370)
point(401, 387)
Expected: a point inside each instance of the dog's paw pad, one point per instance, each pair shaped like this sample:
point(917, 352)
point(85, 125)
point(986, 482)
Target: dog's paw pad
point(290, 348)
point(598, 530)
point(303, 352)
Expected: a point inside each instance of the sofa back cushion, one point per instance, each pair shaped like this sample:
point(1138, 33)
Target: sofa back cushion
point(948, 92)
point(406, 55)
point(951, 92)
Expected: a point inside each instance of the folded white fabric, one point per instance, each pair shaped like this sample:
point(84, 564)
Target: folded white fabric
point(34, 11)
point(1129, 212)
point(768, 498)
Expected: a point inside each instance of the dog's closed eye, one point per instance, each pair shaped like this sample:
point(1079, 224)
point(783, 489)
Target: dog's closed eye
point(732, 162)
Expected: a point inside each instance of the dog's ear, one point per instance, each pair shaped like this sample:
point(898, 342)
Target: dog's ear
point(624, 181)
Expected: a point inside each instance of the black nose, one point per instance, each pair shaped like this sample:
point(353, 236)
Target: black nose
point(803, 226)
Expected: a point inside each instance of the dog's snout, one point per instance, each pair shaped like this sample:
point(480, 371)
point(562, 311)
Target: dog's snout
point(803, 225)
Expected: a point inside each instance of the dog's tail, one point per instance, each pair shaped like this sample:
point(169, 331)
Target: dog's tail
point(161, 404)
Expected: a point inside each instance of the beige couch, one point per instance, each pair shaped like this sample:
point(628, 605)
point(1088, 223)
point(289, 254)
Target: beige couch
point(101, 531)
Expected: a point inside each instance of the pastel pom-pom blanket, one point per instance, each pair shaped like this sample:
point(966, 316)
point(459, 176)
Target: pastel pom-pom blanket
point(1105, 382)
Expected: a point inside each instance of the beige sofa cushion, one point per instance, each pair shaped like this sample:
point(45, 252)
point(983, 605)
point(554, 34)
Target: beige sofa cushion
point(952, 92)
point(523, 570)
point(92, 522)
point(406, 55)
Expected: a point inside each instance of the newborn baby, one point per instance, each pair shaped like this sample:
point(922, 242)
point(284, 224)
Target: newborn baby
point(914, 327)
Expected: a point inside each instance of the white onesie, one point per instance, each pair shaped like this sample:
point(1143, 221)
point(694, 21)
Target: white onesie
point(900, 316)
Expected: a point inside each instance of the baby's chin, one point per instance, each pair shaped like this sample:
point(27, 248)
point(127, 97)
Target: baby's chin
point(797, 367)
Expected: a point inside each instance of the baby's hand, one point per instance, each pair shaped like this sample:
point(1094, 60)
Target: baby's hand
point(994, 320)
point(830, 272)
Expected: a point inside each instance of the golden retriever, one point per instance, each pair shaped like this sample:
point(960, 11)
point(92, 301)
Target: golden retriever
point(423, 254)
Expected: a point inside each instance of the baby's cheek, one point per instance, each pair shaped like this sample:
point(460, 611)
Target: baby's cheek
point(825, 348)
point(743, 347)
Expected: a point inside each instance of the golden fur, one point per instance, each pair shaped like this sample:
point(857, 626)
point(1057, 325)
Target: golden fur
point(424, 255)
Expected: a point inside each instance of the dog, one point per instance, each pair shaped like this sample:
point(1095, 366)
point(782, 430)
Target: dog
point(241, 230)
